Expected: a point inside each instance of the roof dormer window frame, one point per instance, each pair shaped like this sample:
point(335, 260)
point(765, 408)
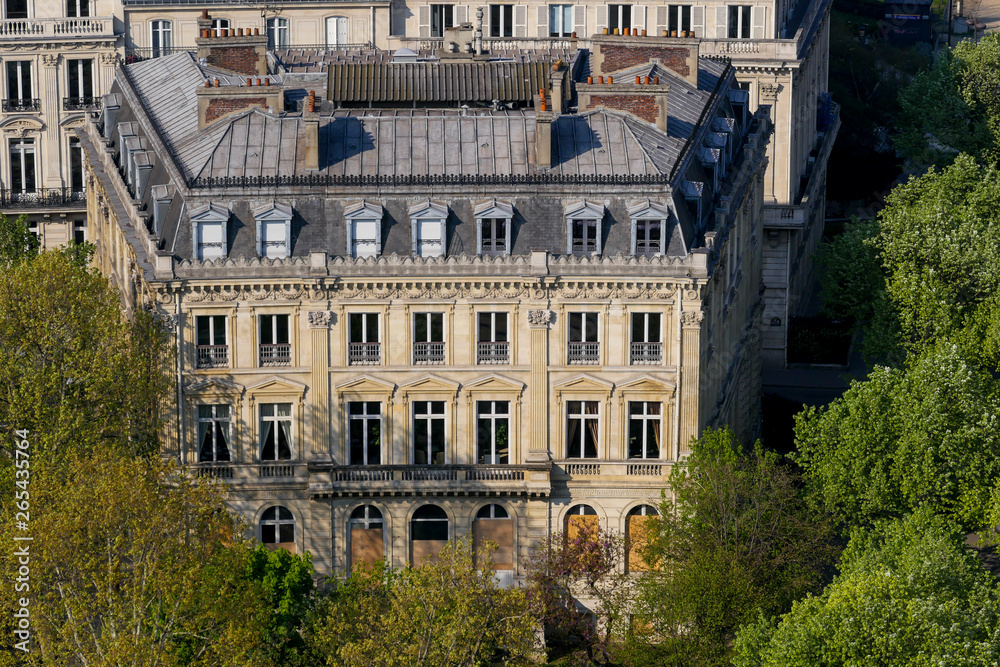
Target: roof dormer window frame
point(492, 214)
point(266, 216)
point(210, 221)
point(368, 216)
point(584, 211)
point(428, 215)
point(649, 211)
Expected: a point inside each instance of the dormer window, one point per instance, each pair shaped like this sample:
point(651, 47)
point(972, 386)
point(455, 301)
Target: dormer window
point(711, 160)
point(428, 224)
point(692, 191)
point(583, 228)
point(364, 229)
point(493, 223)
point(274, 230)
point(210, 233)
point(740, 100)
point(649, 228)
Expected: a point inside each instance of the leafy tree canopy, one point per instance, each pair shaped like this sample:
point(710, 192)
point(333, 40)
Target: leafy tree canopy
point(908, 593)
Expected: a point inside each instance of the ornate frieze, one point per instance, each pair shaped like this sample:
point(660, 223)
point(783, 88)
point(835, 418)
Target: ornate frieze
point(540, 318)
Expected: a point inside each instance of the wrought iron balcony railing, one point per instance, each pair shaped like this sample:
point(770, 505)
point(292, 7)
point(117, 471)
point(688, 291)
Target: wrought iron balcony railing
point(42, 198)
point(646, 353)
point(493, 352)
point(584, 353)
point(364, 354)
point(428, 353)
point(213, 356)
point(14, 105)
point(275, 354)
point(81, 103)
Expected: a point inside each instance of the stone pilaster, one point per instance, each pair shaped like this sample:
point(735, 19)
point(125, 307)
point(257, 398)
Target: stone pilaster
point(319, 384)
point(50, 151)
point(538, 385)
point(690, 379)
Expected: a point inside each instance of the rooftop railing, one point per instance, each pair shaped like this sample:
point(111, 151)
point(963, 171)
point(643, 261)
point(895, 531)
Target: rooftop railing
point(56, 28)
point(42, 198)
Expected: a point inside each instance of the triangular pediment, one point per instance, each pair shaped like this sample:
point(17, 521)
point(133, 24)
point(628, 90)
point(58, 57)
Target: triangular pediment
point(584, 210)
point(495, 383)
point(273, 211)
point(276, 385)
point(494, 208)
point(648, 209)
point(585, 382)
point(367, 384)
point(209, 213)
point(648, 383)
point(428, 209)
point(215, 386)
point(431, 383)
point(363, 210)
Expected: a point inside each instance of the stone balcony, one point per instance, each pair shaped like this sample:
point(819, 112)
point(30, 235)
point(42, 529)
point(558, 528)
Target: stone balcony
point(327, 480)
point(56, 29)
point(638, 470)
point(253, 474)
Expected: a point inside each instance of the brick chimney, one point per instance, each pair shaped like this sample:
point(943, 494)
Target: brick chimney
point(543, 139)
point(614, 53)
point(645, 101)
point(234, 51)
point(217, 101)
point(310, 119)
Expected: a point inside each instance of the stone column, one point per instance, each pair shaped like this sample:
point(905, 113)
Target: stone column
point(538, 386)
point(690, 379)
point(50, 151)
point(319, 384)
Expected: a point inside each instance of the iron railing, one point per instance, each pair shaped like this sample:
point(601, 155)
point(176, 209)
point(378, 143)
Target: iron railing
point(428, 353)
point(213, 356)
point(584, 353)
point(401, 180)
point(19, 105)
point(364, 354)
point(42, 198)
point(81, 103)
point(275, 354)
point(493, 352)
point(134, 54)
point(646, 353)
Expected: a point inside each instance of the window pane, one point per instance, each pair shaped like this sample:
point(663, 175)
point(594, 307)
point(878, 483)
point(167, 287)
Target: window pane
point(430, 530)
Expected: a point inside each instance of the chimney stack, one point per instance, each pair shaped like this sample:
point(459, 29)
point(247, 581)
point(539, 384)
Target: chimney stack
point(310, 120)
point(543, 139)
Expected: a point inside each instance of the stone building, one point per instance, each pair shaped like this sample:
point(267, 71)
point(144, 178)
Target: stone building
point(57, 59)
point(395, 326)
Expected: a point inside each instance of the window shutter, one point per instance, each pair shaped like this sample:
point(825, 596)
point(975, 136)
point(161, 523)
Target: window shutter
point(639, 18)
point(698, 22)
point(662, 23)
point(520, 20)
point(721, 22)
point(758, 22)
point(543, 20)
point(424, 17)
point(602, 19)
point(359, 30)
point(461, 14)
point(580, 20)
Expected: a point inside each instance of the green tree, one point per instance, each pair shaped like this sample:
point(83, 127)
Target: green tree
point(908, 593)
point(16, 242)
point(444, 612)
point(738, 539)
point(287, 588)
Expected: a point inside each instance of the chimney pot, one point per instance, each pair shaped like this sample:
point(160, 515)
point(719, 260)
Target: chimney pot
point(600, 79)
point(635, 32)
point(204, 13)
point(267, 81)
point(574, 34)
point(217, 82)
point(656, 80)
point(646, 80)
point(256, 31)
point(250, 81)
point(590, 79)
point(208, 84)
point(638, 79)
point(644, 33)
point(665, 34)
point(611, 80)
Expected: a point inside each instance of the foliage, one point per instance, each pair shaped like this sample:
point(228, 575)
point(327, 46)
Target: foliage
point(17, 244)
point(923, 435)
point(965, 115)
point(582, 566)
point(72, 370)
point(738, 539)
point(444, 612)
point(286, 585)
point(134, 564)
point(908, 593)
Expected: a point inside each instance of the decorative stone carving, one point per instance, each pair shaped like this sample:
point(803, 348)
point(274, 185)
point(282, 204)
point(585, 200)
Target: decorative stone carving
point(109, 58)
point(692, 292)
point(50, 59)
point(23, 127)
point(540, 318)
point(169, 321)
point(692, 318)
point(321, 319)
point(769, 92)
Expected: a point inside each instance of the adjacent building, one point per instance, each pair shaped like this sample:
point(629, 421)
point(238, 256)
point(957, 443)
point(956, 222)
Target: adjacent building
point(450, 312)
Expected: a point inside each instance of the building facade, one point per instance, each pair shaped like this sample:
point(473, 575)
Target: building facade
point(398, 326)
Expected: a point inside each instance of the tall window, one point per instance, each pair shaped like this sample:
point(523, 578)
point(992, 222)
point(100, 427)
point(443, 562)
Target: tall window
point(277, 528)
point(218, 25)
point(161, 37)
point(77, 8)
point(638, 533)
point(213, 433)
point(277, 33)
point(275, 431)
point(428, 338)
point(647, 341)
point(428, 432)
point(644, 428)
point(22, 166)
point(81, 84)
point(678, 18)
point(493, 346)
point(493, 431)
point(428, 533)
point(494, 235)
point(210, 240)
point(363, 347)
point(20, 86)
point(430, 238)
point(366, 532)
point(80, 231)
point(584, 346)
point(213, 352)
point(582, 422)
point(365, 241)
point(75, 165)
point(501, 20)
point(365, 432)
point(337, 32)
point(442, 17)
point(16, 9)
point(649, 237)
point(619, 16)
point(739, 21)
point(584, 240)
point(493, 524)
point(275, 346)
point(560, 20)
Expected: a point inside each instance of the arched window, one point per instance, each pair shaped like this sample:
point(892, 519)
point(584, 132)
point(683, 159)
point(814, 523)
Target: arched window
point(637, 536)
point(581, 519)
point(428, 533)
point(366, 535)
point(277, 528)
point(493, 524)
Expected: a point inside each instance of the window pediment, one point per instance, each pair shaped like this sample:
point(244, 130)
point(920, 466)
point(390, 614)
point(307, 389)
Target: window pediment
point(428, 210)
point(363, 210)
point(277, 386)
point(584, 210)
point(431, 384)
point(497, 383)
point(584, 384)
point(648, 209)
point(273, 211)
point(647, 384)
point(214, 387)
point(209, 213)
point(366, 384)
point(494, 208)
